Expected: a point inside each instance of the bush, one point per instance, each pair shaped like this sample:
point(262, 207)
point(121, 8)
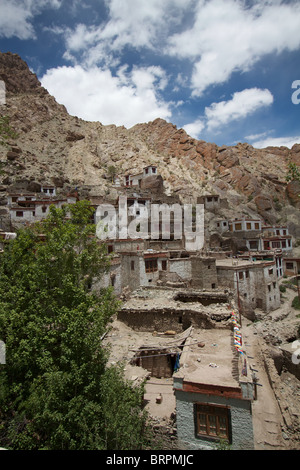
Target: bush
point(296, 303)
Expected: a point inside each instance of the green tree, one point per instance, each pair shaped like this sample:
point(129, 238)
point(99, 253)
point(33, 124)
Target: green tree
point(112, 171)
point(293, 173)
point(56, 390)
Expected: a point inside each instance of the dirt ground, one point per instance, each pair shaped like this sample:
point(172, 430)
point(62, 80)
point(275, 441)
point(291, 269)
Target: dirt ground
point(276, 411)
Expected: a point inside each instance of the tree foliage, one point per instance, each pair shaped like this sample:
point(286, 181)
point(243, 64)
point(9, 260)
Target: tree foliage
point(56, 390)
point(293, 173)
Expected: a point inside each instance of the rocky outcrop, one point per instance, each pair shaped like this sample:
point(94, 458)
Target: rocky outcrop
point(55, 148)
point(293, 192)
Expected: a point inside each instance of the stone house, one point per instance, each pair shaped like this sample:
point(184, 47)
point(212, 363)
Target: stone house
point(214, 393)
point(28, 208)
point(254, 284)
point(210, 201)
point(276, 237)
point(291, 266)
point(135, 180)
point(48, 190)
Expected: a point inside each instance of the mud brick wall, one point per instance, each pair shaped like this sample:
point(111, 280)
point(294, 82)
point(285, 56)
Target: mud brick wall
point(162, 320)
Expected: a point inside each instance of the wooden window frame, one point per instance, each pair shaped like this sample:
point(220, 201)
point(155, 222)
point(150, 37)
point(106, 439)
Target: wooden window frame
point(151, 265)
point(212, 422)
point(289, 266)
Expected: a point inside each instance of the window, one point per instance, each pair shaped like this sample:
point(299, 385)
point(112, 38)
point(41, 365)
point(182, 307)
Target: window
point(212, 421)
point(132, 265)
point(151, 265)
point(238, 226)
point(271, 271)
point(256, 226)
point(247, 274)
point(164, 265)
point(253, 244)
point(19, 213)
point(290, 266)
point(241, 275)
point(248, 225)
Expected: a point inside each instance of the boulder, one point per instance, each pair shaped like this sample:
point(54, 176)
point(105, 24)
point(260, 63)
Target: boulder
point(11, 156)
point(153, 182)
point(293, 192)
point(263, 203)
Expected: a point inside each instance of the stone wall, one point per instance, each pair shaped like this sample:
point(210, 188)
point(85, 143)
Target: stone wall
point(255, 287)
point(164, 319)
point(241, 422)
point(203, 273)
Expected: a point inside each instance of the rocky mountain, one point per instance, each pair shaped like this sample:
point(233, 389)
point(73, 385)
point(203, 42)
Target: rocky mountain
point(53, 147)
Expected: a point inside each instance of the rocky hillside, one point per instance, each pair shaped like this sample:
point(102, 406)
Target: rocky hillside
point(53, 147)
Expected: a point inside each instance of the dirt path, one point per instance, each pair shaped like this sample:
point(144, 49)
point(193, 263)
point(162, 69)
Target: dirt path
point(269, 415)
point(267, 418)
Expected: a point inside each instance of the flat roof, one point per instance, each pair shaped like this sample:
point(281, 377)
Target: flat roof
point(211, 363)
point(241, 263)
point(149, 299)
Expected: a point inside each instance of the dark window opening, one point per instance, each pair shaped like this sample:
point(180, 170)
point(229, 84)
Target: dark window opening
point(151, 265)
point(212, 421)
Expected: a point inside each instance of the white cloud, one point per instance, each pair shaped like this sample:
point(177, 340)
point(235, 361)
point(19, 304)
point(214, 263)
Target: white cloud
point(96, 95)
point(17, 16)
point(242, 104)
point(231, 36)
point(134, 23)
point(195, 128)
point(276, 142)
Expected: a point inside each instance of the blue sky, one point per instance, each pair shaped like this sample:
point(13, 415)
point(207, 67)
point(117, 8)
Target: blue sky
point(221, 69)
